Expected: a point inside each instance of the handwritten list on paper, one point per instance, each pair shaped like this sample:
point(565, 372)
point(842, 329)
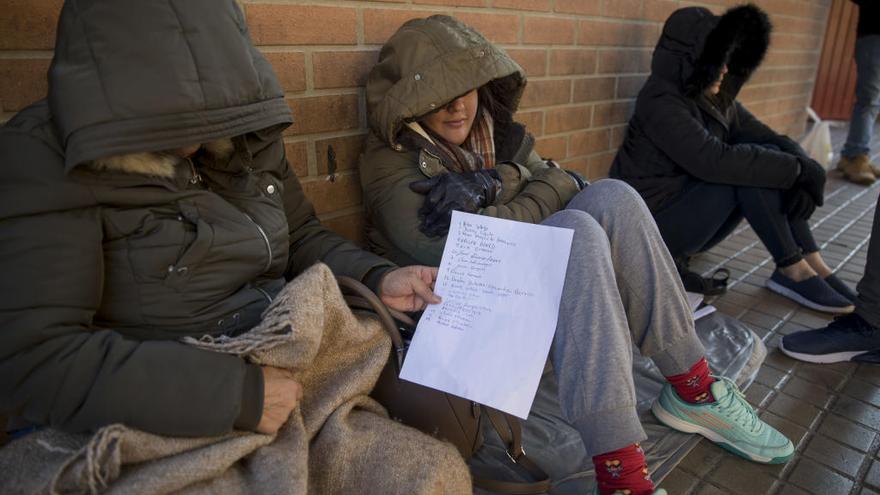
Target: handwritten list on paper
point(501, 283)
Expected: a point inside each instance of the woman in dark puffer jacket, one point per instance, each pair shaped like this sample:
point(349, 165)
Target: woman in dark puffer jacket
point(702, 162)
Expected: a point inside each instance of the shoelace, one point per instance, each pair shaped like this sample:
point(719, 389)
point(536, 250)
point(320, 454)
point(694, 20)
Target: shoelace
point(735, 406)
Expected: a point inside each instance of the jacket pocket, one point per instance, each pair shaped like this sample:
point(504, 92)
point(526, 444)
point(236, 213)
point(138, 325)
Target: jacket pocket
point(179, 273)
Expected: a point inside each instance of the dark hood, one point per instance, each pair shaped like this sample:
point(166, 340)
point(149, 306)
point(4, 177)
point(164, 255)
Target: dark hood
point(147, 75)
point(695, 45)
point(428, 63)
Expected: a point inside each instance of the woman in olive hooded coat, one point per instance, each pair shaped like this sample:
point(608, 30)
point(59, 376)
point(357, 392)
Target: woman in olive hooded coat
point(702, 162)
point(441, 101)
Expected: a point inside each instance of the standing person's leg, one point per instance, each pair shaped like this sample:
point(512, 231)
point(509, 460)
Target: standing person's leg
point(854, 337)
point(661, 324)
point(855, 156)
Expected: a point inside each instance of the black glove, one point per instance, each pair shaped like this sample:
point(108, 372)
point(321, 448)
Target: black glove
point(468, 192)
point(812, 179)
point(797, 203)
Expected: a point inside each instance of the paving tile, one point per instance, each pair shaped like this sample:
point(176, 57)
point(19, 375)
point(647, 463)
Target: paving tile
point(791, 490)
point(810, 319)
point(741, 476)
point(679, 482)
point(791, 327)
point(869, 373)
point(758, 319)
point(818, 479)
point(847, 432)
point(756, 394)
point(867, 491)
point(707, 489)
point(815, 394)
point(864, 391)
point(770, 377)
point(835, 455)
point(873, 476)
point(817, 373)
point(703, 458)
point(857, 411)
point(794, 410)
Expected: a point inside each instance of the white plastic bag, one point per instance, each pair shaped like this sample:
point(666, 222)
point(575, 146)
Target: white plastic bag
point(817, 142)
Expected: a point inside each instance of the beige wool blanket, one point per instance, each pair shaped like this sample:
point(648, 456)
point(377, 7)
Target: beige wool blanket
point(338, 441)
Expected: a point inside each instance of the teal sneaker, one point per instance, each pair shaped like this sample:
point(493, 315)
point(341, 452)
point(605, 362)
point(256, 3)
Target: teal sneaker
point(730, 422)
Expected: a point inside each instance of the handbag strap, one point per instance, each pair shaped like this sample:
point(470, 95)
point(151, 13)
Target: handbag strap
point(508, 427)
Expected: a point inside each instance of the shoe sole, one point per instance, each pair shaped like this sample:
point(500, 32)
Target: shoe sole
point(803, 301)
point(675, 423)
point(834, 357)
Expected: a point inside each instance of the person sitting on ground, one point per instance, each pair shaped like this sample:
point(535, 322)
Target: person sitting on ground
point(441, 101)
point(702, 162)
point(149, 199)
point(856, 336)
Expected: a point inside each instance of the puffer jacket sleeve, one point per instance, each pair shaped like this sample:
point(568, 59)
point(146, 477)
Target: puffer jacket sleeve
point(747, 129)
point(393, 207)
point(311, 242)
point(674, 130)
point(57, 367)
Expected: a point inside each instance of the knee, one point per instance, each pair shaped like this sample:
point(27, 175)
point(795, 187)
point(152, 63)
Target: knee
point(586, 228)
point(609, 195)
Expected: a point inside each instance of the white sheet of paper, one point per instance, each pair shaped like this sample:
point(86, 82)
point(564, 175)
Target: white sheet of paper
point(695, 299)
point(501, 283)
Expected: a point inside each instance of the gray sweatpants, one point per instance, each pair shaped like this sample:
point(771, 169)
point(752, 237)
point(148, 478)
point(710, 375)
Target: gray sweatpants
point(621, 288)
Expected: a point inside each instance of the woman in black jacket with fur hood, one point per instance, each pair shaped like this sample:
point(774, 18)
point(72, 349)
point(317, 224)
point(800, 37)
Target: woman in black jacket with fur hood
point(702, 162)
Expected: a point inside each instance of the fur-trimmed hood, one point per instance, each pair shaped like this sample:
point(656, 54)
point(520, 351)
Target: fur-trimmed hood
point(429, 62)
point(695, 45)
point(158, 164)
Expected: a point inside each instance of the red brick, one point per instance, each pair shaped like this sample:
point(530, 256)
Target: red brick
point(588, 142)
point(548, 30)
point(323, 113)
point(572, 62)
point(617, 112)
point(613, 33)
point(543, 93)
point(600, 165)
point(380, 24)
point(583, 7)
point(628, 9)
point(567, 119)
point(593, 89)
point(629, 86)
point(347, 149)
point(534, 62)
point(453, 3)
point(540, 5)
point(552, 147)
point(534, 121)
point(659, 10)
point(22, 82)
point(497, 28)
point(344, 192)
point(624, 61)
point(290, 67)
point(350, 226)
point(277, 24)
point(335, 69)
point(297, 157)
point(29, 24)
point(617, 135)
point(579, 165)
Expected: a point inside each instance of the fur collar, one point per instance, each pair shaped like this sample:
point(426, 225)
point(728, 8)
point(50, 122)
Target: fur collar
point(156, 164)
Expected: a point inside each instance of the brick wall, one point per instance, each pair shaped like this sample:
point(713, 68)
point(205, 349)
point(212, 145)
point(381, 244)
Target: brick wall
point(586, 60)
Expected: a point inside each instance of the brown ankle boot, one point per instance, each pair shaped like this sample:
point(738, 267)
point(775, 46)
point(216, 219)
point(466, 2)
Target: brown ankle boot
point(857, 169)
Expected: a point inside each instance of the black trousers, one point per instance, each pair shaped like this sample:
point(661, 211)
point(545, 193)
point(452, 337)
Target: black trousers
point(868, 303)
point(704, 214)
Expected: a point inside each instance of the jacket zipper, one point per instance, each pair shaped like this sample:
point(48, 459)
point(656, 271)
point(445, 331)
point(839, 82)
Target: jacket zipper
point(264, 293)
point(196, 177)
point(265, 240)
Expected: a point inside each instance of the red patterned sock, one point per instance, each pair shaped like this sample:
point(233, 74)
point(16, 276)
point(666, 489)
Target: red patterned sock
point(693, 386)
point(623, 471)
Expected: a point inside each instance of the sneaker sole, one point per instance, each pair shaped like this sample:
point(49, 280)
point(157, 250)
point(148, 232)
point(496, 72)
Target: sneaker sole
point(675, 423)
point(834, 357)
point(803, 301)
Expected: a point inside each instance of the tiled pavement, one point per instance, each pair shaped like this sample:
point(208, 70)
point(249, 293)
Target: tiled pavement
point(831, 412)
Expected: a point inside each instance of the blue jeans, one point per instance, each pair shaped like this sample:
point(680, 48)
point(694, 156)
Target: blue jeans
point(867, 106)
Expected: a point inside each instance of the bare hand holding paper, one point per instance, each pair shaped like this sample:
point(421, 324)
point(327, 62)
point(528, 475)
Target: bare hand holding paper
point(501, 283)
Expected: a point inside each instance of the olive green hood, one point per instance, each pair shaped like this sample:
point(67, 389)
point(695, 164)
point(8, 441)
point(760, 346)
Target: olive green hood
point(134, 75)
point(428, 63)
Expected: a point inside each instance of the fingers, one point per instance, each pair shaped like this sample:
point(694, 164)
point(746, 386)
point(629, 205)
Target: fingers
point(423, 291)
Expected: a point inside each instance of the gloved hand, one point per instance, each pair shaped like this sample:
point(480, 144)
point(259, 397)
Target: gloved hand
point(468, 192)
point(797, 203)
point(578, 179)
point(812, 179)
